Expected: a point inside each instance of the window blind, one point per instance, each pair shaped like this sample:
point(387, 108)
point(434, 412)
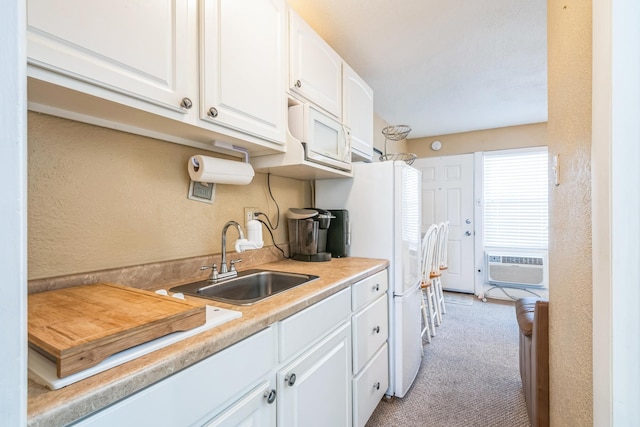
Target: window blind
point(411, 206)
point(515, 187)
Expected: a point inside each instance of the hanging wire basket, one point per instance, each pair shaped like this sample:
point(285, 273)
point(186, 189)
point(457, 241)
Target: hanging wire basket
point(396, 133)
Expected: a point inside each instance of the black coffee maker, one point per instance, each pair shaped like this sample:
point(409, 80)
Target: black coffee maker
point(308, 230)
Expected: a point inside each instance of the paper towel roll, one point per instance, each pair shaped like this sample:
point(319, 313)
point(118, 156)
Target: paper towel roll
point(211, 169)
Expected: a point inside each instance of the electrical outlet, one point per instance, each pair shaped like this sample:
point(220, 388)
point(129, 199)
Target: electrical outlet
point(249, 214)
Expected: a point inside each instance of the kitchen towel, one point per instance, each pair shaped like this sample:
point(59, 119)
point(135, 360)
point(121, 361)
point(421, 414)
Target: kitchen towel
point(221, 171)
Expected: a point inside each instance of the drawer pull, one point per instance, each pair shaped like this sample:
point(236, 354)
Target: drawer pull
point(376, 288)
point(270, 396)
point(376, 329)
point(377, 385)
point(290, 379)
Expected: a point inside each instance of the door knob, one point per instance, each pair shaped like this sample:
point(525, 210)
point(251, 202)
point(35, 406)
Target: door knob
point(467, 233)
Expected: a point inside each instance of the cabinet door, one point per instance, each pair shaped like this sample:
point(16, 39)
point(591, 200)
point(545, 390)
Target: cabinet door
point(358, 113)
point(257, 409)
point(243, 66)
point(134, 48)
point(315, 68)
point(314, 390)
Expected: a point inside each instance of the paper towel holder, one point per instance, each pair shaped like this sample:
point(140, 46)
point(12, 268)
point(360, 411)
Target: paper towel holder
point(220, 171)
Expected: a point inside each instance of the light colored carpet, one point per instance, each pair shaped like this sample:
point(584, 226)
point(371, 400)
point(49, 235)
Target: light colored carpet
point(457, 298)
point(469, 374)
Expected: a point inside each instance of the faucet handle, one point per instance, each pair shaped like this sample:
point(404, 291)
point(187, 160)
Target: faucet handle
point(214, 271)
point(233, 263)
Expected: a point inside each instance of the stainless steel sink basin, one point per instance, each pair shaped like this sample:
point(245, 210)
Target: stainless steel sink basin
point(249, 287)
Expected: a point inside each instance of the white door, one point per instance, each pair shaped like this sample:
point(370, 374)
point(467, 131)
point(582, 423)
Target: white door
point(447, 194)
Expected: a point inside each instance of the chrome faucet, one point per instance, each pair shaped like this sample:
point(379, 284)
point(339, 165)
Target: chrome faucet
point(225, 272)
point(223, 261)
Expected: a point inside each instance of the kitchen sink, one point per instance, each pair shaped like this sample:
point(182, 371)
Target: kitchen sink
point(250, 286)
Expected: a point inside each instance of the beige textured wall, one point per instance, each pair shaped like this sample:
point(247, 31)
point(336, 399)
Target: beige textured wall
point(533, 135)
point(570, 289)
point(99, 198)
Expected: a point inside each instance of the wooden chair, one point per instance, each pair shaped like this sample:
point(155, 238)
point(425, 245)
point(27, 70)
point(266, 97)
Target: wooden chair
point(428, 306)
point(442, 266)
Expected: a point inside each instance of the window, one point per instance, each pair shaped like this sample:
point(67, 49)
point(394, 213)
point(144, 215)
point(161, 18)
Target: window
point(515, 187)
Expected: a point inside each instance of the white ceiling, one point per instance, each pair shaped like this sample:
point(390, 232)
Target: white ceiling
point(442, 66)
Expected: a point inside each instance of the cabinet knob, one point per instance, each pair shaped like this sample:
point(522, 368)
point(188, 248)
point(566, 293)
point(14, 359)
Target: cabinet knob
point(298, 83)
point(290, 379)
point(376, 288)
point(212, 112)
point(270, 396)
point(376, 329)
point(377, 385)
point(186, 103)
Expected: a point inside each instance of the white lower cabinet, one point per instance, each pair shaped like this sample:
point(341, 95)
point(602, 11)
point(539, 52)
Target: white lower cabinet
point(370, 385)
point(196, 394)
point(314, 389)
point(257, 408)
point(370, 331)
point(314, 376)
point(326, 365)
point(370, 328)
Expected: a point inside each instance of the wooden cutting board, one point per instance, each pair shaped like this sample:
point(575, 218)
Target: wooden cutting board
point(78, 327)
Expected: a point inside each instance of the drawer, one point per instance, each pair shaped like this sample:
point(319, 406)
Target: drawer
point(311, 324)
point(369, 386)
point(370, 331)
point(368, 289)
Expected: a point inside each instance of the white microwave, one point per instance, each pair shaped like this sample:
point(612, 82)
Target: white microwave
point(325, 140)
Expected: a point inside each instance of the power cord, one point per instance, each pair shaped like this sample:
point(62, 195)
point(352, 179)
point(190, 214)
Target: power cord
point(275, 202)
point(484, 295)
point(257, 214)
point(271, 234)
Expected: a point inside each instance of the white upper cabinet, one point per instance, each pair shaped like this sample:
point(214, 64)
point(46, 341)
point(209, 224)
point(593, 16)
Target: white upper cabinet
point(134, 48)
point(315, 69)
point(243, 66)
point(358, 113)
point(157, 68)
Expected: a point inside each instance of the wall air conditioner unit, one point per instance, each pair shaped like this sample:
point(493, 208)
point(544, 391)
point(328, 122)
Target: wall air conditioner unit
point(517, 269)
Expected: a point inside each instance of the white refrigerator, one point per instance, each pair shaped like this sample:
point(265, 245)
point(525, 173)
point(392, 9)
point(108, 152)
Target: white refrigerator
point(383, 200)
